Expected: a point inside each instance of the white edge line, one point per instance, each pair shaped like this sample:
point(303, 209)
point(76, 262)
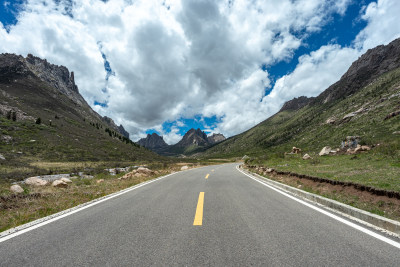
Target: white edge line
point(72, 210)
point(355, 226)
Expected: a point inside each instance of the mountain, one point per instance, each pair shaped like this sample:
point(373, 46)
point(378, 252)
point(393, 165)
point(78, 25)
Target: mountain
point(296, 103)
point(192, 142)
point(216, 138)
point(44, 118)
point(153, 142)
point(365, 102)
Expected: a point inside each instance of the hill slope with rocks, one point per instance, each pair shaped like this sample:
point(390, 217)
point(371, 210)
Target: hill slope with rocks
point(44, 117)
point(365, 102)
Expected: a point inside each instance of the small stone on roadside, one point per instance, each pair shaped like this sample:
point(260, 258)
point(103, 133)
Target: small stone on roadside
point(306, 156)
point(35, 181)
point(66, 180)
point(59, 183)
point(16, 189)
point(184, 168)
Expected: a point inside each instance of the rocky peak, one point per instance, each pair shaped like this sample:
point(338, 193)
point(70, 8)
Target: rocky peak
point(363, 71)
point(119, 129)
point(216, 138)
point(194, 137)
point(153, 141)
point(296, 103)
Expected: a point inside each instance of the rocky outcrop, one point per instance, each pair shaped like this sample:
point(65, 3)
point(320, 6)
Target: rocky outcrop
point(119, 129)
point(153, 141)
point(296, 103)
point(123, 131)
point(194, 137)
point(216, 138)
point(363, 71)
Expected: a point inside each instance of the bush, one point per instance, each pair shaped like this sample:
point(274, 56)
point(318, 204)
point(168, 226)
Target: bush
point(38, 120)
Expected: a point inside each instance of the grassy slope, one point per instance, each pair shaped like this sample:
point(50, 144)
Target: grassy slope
point(306, 128)
point(71, 135)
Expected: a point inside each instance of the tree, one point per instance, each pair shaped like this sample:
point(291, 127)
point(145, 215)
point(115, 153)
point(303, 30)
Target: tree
point(38, 120)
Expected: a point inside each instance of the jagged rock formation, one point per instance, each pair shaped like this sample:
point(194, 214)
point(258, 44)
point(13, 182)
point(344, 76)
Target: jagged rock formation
point(42, 106)
point(123, 131)
point(153, 141)
point(216, 138)
point(120, 129)
point(363, 71)
point(296, 103)
point(193, 137)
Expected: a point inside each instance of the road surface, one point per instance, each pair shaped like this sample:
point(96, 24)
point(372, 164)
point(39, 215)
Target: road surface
point(213, 216)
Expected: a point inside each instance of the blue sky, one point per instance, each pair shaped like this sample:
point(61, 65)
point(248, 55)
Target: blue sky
point(167, 66)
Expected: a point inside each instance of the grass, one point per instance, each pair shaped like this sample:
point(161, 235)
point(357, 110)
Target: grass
point(38, 202)
point(369, 168)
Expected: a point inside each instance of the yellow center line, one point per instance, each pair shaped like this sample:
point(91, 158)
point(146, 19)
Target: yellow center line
point(198, 218)
point(207, 176)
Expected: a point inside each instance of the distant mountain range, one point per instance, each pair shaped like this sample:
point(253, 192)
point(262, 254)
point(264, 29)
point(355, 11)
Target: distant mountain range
point(44, 117)
point(193, 141)
point(365, 102)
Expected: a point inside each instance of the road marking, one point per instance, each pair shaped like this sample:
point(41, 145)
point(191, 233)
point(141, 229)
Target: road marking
point(62, 214)
point(207, 176)
point(356, 226)
point(198, 218)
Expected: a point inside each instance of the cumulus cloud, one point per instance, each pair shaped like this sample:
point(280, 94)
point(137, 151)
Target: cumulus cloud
point(174, 59)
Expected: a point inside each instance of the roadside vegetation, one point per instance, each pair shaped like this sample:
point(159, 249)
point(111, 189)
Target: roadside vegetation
point(39, 201)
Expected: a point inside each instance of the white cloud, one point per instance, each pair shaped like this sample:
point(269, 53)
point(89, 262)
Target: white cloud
point(176, 59)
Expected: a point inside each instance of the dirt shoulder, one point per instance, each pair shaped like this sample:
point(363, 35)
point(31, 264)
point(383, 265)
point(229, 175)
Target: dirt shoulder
point(343, 192)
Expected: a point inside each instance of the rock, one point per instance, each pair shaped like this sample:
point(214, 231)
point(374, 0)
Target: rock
point(139, 174)
point(144, 171)
point(269, 170)
point(396, 132)
point(16, 189)
point(296, 150)
point(306, 156)
point(347, 117)
point(100, 181)
point(2, 157)
point(59, 183)
point(245, 157)
point(35, 181)
point(331, 121)
point(365, 148)
point(184, 168)
point(325, 151)
point(6, 139)
point(66, 180)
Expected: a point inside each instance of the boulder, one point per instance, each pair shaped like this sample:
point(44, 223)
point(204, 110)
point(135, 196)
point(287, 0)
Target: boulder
point(306, 156)
point(59, 183)
point(296, 150)
point(184, 168)
point(66, 180)
point(325, 151)
point(269, 170)
point(35, 181)
point(2, 157)
point(144, 171)
point(16, 189)
point(331, 121)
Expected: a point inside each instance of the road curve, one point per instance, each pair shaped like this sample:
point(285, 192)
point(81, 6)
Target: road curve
point(243, 223)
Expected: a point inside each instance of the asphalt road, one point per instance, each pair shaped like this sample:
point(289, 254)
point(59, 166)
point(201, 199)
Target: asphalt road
point(243, 224)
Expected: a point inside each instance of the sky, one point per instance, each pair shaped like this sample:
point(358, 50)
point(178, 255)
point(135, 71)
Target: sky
point(166, 66)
